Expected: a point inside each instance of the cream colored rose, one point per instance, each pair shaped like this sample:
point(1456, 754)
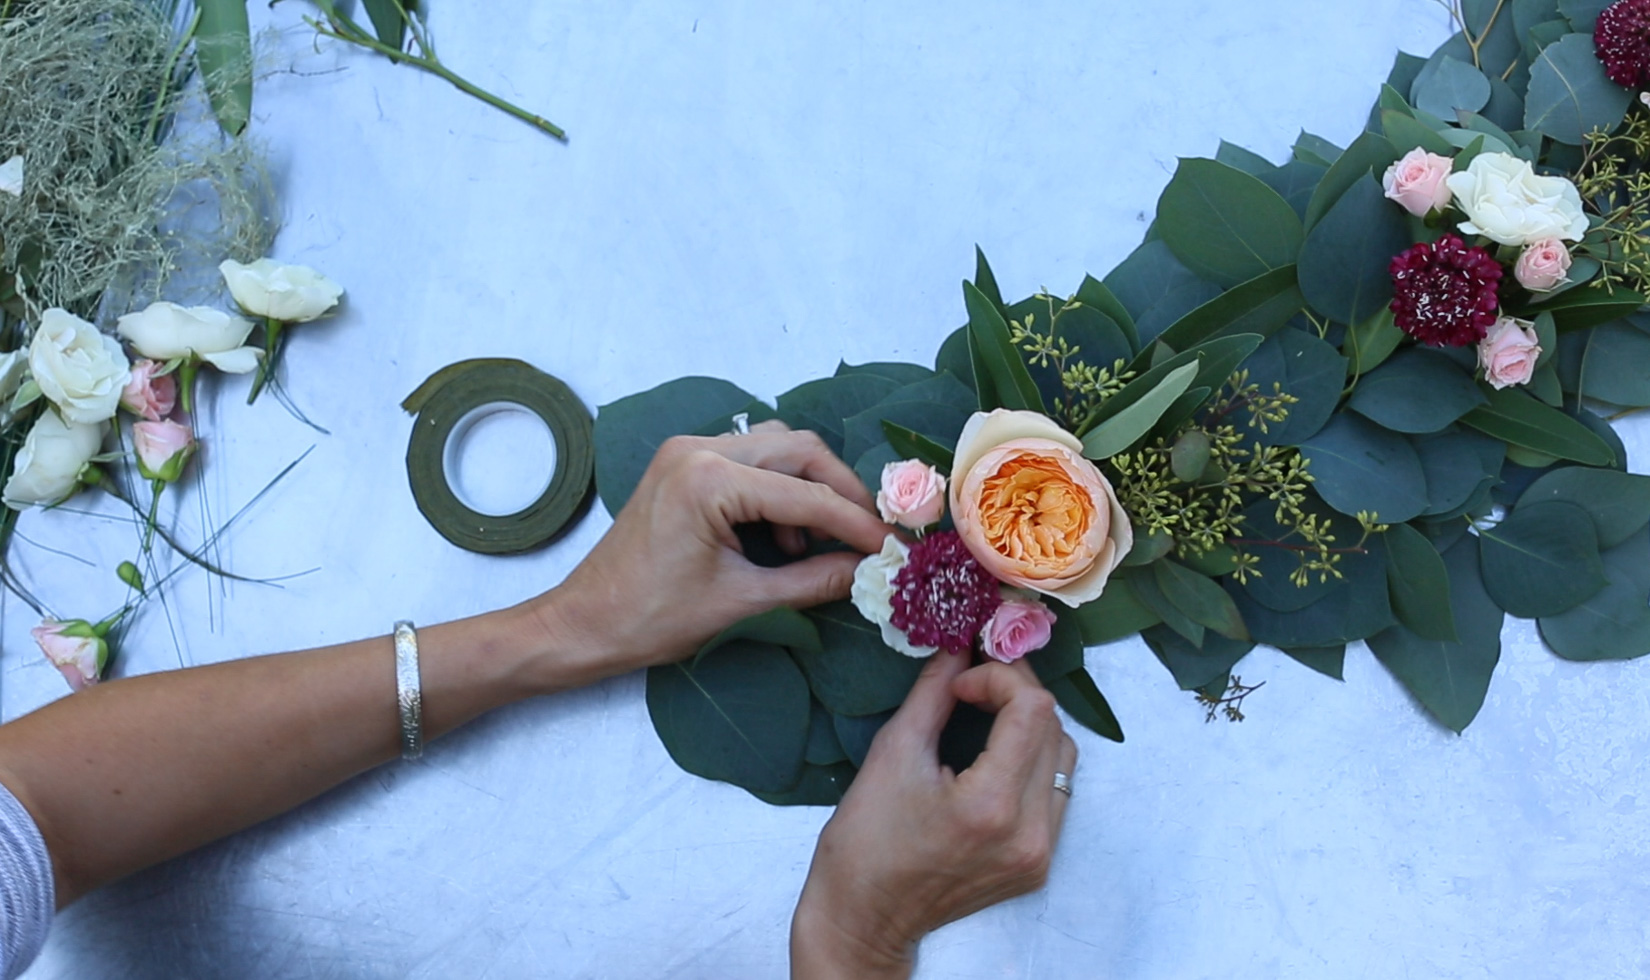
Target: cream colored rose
point(1507, 202)
point(47, 469)
point(166, 330)
point(289, 293)
point(80, 369)
point(873, 594)
point(1508, 352)
point(1032, 510)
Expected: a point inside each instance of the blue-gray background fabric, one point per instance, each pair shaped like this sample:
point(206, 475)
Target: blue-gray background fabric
point(754, 192)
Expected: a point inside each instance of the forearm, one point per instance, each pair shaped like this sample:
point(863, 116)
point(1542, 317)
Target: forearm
point(136, 771)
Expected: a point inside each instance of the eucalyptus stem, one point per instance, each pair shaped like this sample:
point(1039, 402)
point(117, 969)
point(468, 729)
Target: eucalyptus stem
point(349, 32)
point(166, 80)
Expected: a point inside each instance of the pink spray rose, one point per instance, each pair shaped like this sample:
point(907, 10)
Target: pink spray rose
point(162, 449)
point(75, 649)
point(912, 494)
point(1416, 181)
point(147, 395)
point(1543, 265)
point(1020, 626)
point(1508, 352)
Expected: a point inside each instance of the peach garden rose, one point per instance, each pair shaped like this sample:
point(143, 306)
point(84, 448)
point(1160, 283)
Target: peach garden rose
point(1032, 510)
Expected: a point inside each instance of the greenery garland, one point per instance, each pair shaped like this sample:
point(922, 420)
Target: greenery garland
point(1335, 409)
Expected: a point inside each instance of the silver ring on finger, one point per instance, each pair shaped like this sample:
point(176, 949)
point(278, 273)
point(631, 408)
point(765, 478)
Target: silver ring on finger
point(1062, 784)
point(741, 425)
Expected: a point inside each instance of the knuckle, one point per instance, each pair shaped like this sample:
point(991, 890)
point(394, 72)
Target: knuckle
point(697, 468)
point(993, 817)
point(1029, 858)
point(1040, 704)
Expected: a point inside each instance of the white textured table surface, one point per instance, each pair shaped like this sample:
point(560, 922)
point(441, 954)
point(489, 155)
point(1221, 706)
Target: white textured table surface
point(755, 194)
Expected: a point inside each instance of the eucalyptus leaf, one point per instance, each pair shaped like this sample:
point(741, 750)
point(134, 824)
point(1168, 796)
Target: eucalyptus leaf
point(1123, 429)
point(898, 372)
point(1298, 363)
point(1329, 661)
point(1368, 344)
point(1353, 609)
point(739, 714)
point(1405, 133)
point(1295, 182)
point(1542, 559)
point(821, 406)
point(389, 20)
point(985, 280)
point(1247, 161)
point(1447, 85)
point(1583, 14)
point(1614, 623)
point(817, 786)
point(1260, 306)
point(1311, 148)
point(1616, 365)
point(1370, 153)
point(824, 748)
point(1419, 584)
point(1618, 503)
point(915, 445)
point(1145, 586)
point(1416, 391)
point(1456, 464)
point(779, 627)
point(629, 431)
point(937, 408)
point(1225, 225)
point(1194, 666)
point(1064, 651)
point(1117, 613)
point(1098, 295)
point(1156, 289)
point(1519, 419)
point(1569, 94)
point(1199, 598)
point(856, 732)
point(854, 672)
point(1081, 698)
point(1450, 679)
point(1343, 266)
point(1001, 360)
point(1357, 466)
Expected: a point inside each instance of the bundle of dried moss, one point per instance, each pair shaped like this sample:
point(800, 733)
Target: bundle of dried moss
point(89, 91)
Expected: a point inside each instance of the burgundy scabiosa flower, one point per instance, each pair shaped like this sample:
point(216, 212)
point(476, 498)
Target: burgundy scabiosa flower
point(1622, 39)
point(1445, 293)
point(942, 597)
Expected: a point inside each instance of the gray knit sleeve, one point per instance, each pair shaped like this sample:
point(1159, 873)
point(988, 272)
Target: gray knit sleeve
point(27, 896)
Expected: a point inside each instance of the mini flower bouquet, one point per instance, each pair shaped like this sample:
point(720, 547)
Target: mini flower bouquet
point(1361, 395)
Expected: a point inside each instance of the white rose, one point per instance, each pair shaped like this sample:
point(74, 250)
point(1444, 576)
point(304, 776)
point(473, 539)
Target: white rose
point(1506, 201)
point(166, 330)
point(289, 293)
point(873, 594)
point(11, 176)
point(47, 469)
point(79, 368)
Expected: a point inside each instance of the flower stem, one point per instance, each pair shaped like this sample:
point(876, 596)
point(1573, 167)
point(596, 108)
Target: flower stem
point(272, 355)
point(186, 385)
point(155, 486)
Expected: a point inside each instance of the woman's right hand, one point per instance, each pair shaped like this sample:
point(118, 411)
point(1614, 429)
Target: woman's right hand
point(914, 845)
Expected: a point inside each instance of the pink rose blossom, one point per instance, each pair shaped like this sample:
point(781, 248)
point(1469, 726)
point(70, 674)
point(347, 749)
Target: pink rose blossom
point(147, 395)
point(1020, 625)
point(912, 494)
point(1543, 265)
point(1416, 181)
point(1508, 353)
point(162, 449)
point(74, 649)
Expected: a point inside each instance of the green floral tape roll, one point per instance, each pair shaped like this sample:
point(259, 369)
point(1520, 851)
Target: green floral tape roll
point(443, 401)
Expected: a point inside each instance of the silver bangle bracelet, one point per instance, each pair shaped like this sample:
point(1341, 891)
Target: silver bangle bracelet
point(409, 696)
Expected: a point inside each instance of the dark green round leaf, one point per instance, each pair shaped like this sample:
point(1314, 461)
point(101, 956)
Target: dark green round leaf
point(1116, 614)
point(1064, 652)
point(629, 431)
point(1273, 546)
point(1199, 598)
point(1358, 466)
point(1450, 679)
point(1416, 391)
point(1542, 559)
point(937, 408)
point(1456, 463)
point(1156, 289)
point(1569, 94)
point(1618, 503)
point(1419, 584)
point(856, 732)
point(868, 467)
point(1343, 266)
point(1224, 224)
point(738, 714)
point(1616, 365)
point(1192, 666)
point(1448, 84)
point(819, 786)
point(1329, 661)
point(822, 405)
point(855, 673)
point(1352, 610)
point(1300, 364)
point(898, 372)
point(1615, 623)
point(1296, 182)
point(824, 748)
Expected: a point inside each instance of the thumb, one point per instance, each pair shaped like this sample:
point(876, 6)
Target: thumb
point(927, 707)
point(810, 582)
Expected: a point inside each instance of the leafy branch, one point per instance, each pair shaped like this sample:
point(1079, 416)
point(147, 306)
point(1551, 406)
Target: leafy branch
point(341, 27)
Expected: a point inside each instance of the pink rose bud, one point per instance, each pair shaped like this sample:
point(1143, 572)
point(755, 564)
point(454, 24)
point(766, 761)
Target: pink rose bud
point(147, 395)
point(912, 494)
point(1416, 181)
point(75, 649)
point(1543, 265)
point(162, 449)
point(1508, 352)
point(1019, 626)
